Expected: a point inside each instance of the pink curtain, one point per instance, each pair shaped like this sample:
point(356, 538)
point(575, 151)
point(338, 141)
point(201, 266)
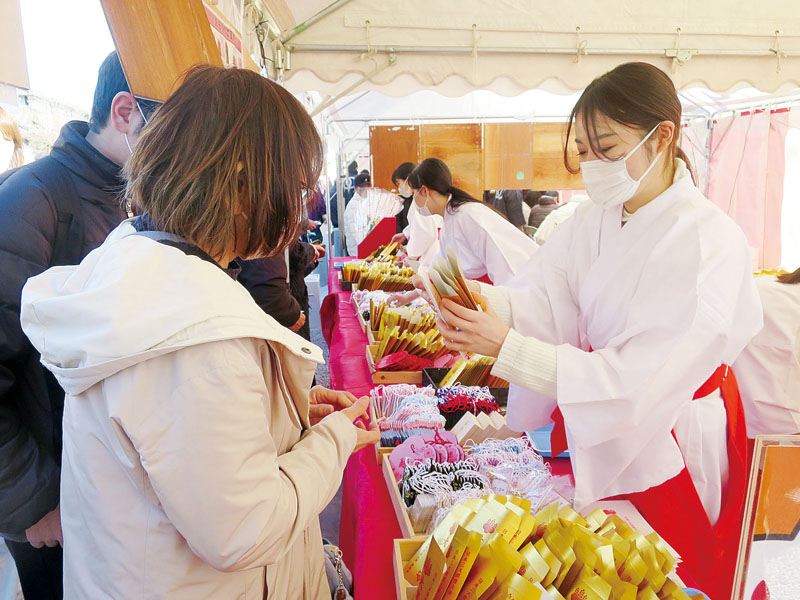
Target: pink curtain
point(746, 173)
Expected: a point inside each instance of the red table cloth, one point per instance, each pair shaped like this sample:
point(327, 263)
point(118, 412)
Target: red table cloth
point(368, 522)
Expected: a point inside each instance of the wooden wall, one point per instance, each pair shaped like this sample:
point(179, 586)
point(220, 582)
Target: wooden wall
point(508, 156)
point(390, 147)
point(481, 156)
point(549, 172)
point(460, 147)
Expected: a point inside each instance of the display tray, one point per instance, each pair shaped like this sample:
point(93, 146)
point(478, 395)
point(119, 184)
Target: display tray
point(361, 322)
point(387, 377)
point(403, 552)
point(400, 510)
point(380, 451)
point(431, 376)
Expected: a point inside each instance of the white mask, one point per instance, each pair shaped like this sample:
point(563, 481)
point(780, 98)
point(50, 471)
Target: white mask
point(608, 183)
point(423, 210)
point(6, 153)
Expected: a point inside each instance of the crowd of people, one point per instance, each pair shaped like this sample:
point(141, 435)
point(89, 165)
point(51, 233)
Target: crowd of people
point(160, 422)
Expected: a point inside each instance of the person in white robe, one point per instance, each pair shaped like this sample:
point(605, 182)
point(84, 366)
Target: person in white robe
point(768, 369)
point(421, 235)
point(365, 210)
point(557, 217)
point(631, 305)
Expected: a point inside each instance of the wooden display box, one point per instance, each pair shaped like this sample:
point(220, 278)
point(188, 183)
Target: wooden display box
point(400, 510)
point(388, 377)
point(361, 322)
point(380, 451)
point(404, 550)
point(434, 376)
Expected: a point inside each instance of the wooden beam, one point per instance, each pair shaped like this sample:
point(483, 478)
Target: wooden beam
point(158, 41)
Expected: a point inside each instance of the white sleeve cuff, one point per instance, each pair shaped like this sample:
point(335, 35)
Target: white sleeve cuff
point(498, 301)
point(528, 362)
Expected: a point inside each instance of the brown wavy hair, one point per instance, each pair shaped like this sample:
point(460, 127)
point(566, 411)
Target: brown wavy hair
point(223, 131)
point(635, 94)
point(10, 132)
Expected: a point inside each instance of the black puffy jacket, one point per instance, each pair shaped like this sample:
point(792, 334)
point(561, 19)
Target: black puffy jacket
point(31, 402)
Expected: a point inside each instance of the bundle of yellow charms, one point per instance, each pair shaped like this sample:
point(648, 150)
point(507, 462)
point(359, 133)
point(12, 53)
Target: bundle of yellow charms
point(492, 548)
point(386, 276)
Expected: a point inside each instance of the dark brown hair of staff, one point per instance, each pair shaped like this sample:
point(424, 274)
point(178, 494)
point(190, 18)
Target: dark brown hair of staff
point(223, 131)
point(634, 94)
point(434, 174)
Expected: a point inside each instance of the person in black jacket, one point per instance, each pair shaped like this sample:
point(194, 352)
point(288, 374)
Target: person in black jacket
point(278, 286)
point(53, 211)
point(509, 204)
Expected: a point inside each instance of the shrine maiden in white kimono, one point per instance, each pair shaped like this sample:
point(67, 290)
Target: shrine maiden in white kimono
point(486, 244)
point(768, 370)
point(641, 315)
point(422, 233)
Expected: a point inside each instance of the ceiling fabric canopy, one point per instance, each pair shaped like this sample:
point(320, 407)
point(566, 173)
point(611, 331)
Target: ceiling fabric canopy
point(509, 46)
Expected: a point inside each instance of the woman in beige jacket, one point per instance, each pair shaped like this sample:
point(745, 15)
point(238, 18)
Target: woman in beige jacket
point(195, 460)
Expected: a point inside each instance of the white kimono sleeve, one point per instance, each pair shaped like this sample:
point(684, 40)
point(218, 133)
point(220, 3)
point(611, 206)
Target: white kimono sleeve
point(486, 244)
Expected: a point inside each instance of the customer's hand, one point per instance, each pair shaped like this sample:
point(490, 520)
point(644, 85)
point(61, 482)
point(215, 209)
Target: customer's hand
point(319, 251)
point(468, 330)
point(402, 298)
point(366, 436)
point(47, 532)
point(400, 238)
point(300, 322)
point(323, 402)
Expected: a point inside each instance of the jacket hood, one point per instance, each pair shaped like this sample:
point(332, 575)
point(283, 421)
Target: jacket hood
point(133, 299)
point(84, 160)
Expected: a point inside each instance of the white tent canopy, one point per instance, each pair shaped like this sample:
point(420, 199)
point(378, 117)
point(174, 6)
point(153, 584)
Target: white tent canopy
point(511, 46)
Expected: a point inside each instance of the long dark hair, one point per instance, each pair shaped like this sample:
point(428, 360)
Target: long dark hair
point(635, 94)
point(434, 174)
point(790, 278)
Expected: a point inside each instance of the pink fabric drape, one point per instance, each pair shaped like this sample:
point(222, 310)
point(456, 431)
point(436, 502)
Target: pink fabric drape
point(746, 174)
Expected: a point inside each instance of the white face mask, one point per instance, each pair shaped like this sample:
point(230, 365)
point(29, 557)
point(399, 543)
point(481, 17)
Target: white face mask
point(6, 153)
point(608, 183)
point(423, 210)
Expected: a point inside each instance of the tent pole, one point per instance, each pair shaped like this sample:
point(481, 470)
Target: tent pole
point(519, 50)
point(310, 21)
point(340, 198)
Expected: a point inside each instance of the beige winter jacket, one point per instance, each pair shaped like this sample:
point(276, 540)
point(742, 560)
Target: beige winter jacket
point(189, 467)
